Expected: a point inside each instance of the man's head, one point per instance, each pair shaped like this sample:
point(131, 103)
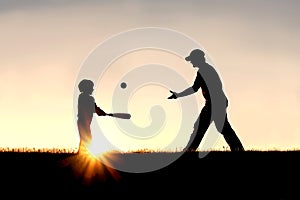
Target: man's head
point(196, 57)
point(86, 86)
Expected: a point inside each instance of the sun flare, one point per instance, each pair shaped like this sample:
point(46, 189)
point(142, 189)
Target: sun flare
point(90, 164)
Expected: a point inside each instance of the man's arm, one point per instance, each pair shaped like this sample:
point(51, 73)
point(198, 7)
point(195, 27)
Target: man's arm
point(190, 90)
point(186, 92)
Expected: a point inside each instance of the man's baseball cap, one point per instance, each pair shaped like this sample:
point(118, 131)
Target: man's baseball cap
point(194, 54)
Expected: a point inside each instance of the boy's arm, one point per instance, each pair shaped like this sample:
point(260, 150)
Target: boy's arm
point(99, 111)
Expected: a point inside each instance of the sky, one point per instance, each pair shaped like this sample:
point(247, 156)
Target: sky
point(45, 46)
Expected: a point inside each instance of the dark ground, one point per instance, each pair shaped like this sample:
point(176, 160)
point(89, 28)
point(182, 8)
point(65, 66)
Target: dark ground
point(219, 175)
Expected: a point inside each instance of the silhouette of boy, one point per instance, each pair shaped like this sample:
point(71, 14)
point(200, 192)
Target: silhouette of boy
point(215, 106)
point(86, 108)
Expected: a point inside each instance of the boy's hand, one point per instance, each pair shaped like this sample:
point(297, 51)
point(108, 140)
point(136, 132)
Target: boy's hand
point(173, 96)
point(99, 111)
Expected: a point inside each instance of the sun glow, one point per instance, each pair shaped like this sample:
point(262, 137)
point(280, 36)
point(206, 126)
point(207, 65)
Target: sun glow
point(91, 164)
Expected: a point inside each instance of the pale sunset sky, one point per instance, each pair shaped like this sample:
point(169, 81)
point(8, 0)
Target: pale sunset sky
point(254, 46)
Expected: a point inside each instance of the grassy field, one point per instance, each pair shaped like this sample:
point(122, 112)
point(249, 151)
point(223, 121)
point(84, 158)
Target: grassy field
point(220, 174)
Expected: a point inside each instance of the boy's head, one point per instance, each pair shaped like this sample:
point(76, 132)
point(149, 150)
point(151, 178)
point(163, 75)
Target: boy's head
point(86, 86)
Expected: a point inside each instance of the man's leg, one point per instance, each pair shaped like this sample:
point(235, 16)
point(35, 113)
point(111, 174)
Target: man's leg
point(231, 137)
point(200, 127)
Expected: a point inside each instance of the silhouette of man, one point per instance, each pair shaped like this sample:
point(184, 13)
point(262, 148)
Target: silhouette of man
point(216, 102)
point(86, 108)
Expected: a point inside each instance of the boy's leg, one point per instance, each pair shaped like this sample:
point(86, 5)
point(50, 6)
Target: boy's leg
point(84, 133)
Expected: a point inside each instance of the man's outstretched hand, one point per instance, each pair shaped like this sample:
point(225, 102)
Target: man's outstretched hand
point(173, 96)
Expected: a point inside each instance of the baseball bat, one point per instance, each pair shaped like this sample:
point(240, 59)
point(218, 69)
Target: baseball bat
point(120, 115)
